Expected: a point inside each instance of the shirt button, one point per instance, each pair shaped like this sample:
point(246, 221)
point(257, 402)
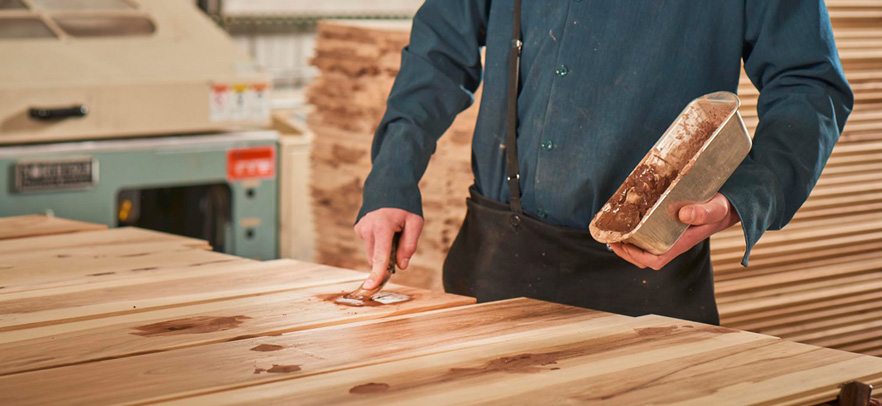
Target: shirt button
point(547, 145)
point(542, 213)
point(562, 70)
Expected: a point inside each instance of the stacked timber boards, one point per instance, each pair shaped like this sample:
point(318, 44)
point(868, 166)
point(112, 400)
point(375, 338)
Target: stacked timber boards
point(358, 61)
point(829, 258)
point(819, 281)
point(36, 225)
point(214, 329)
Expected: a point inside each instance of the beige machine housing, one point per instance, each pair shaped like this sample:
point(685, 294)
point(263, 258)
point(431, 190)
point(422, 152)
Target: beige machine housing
point(126, 67)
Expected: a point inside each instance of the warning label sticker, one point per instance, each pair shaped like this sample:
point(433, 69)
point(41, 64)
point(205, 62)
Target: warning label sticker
point(251, 163)
point(239, 102)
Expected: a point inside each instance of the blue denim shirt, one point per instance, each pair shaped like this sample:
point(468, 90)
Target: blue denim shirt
point(600, 83)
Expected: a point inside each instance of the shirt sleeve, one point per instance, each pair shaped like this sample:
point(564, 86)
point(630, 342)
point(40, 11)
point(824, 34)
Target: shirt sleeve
point(790, 56)
point(440, 71)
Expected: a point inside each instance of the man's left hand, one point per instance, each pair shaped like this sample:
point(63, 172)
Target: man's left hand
point(705, 219)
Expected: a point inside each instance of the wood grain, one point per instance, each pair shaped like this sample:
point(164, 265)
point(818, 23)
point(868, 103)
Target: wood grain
point(228, 282)
point(198, 324)
point(35, 270)
point(37, 225)
point(215, 367)
point(648, 360)
point(114, 236)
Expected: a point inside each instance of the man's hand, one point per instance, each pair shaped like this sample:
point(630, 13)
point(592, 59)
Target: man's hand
point(705, 219)
point(377, 228)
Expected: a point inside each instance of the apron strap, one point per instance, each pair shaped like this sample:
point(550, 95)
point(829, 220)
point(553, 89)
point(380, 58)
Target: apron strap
point(511, 141)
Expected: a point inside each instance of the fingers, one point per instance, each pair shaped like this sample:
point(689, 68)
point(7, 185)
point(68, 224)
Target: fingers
point(369, 247)
point(620, 250)
point(380, 257)
point(407, 244)
point(714, 211)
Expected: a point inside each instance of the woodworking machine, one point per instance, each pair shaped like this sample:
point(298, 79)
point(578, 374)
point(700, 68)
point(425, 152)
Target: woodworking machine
point(136, 113)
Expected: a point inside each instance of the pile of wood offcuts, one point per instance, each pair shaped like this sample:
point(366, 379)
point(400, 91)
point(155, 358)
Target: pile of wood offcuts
point(358, 61)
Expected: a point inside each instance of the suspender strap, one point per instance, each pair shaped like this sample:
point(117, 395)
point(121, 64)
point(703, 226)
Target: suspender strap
point(511, 140)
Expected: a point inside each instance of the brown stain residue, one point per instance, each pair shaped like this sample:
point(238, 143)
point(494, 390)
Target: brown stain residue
point(267, 347)
point(642, 189)
point(190, 325)
point(149, 268)
point(283, 368)
point(520, 364)
point(369, 388)
point(655, 331)
point(368, 303)
point(257, 371)
point(102, 273)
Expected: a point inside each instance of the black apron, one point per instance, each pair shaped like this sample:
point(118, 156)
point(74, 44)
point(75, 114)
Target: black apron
point(502, 253)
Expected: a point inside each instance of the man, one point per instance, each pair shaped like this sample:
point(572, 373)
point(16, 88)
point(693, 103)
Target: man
point(600, 81)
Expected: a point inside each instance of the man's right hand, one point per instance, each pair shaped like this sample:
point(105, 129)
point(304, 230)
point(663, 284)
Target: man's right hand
point(377, 228)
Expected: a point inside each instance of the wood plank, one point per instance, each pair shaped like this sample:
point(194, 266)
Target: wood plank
point(240, 280)
point(38, 225)
point(215, 367)
point(114, 236)
point(81, 265)
point(633, 364)
point(186, 326)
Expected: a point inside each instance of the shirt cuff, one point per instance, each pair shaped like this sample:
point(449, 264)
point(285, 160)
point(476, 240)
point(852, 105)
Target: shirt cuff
point(756, 196)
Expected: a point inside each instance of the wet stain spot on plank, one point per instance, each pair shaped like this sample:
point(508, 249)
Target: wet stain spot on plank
point(369, 388)
point(267, 347)
point(655, 331)
point(190, 325)
point(102, 273)
point(257, 371)
point(333, 298)
point(281, 369)
point(521, 364)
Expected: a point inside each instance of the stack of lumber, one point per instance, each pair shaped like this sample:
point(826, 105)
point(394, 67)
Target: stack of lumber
point(192, 326)
point(358, 61)
point(36, 225)
point(819, 281)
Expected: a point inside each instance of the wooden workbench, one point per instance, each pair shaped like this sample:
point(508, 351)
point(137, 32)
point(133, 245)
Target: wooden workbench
point(129, 316)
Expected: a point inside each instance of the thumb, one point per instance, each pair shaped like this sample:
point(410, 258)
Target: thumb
point(715, 210)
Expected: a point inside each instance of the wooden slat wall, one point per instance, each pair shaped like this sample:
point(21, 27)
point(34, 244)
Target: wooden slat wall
point(819, 280)
point(821, 275)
